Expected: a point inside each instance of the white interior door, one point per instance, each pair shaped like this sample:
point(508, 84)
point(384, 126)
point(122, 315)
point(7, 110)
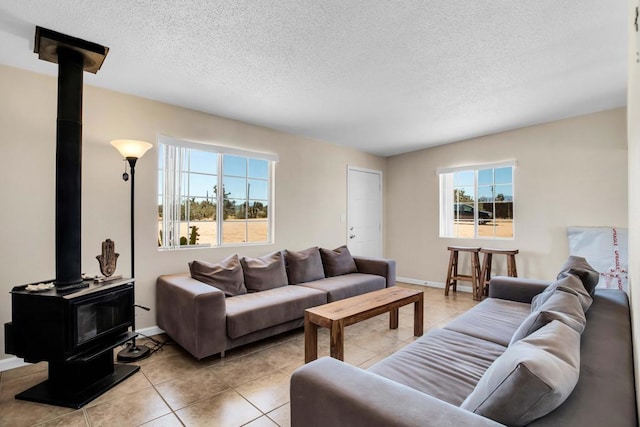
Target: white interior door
point(364, 212)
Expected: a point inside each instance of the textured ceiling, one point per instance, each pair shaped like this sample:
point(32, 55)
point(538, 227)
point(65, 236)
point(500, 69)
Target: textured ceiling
point(382, 76)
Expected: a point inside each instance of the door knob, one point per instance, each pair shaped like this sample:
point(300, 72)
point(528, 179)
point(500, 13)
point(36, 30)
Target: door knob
point(351, 236)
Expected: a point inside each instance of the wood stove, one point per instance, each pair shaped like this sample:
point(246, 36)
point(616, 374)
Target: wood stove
point(75, 331)
point(76, 325)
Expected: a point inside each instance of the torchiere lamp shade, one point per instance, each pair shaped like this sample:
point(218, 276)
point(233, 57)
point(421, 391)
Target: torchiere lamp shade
point(131, 148)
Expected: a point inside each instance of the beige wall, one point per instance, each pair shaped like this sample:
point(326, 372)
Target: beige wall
point(310, 189)
point(570, 173)
point(633, 129)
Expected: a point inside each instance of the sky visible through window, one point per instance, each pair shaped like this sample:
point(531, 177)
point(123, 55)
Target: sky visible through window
point(204, 170)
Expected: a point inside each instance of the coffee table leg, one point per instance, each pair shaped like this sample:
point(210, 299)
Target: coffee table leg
point(337, 339)
point(393, 318)
point(418, 316)
point(310, 340)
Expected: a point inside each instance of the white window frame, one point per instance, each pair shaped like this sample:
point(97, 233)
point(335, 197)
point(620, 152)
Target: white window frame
point(172, 171)
point(447, 203)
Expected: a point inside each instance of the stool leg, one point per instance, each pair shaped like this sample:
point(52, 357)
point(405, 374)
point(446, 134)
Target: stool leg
point(449, 271)
point(511, 266)
point(489, 274)
point(455, 271)
point(475, 277)
point(486, 273)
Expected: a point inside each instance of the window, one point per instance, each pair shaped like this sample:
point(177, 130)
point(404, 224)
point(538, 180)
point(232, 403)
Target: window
point(211, 196)
point(476, 202)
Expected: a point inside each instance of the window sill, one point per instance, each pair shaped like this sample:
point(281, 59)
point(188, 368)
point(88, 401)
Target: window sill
point(210, 246)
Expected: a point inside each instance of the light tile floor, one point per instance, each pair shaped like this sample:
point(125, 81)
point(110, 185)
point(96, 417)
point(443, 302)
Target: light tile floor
point(250, 386)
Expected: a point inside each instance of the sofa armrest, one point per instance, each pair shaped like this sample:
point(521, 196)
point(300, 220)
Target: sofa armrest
point(328, 392)
point(378, 266)
point(515, 288)
point(192, 313)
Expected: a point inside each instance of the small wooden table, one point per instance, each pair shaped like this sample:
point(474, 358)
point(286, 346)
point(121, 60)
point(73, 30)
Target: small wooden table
point(336, 315)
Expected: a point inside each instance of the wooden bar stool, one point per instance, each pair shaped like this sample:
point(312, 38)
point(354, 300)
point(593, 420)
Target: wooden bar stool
point(486, 266)
point(452, 272)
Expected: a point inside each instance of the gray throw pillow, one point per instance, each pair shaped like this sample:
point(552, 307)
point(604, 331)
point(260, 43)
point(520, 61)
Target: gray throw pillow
point(569, 283)
point(337, 262)
point(304, 266)
point(265, 272)
point(530, 379)
point(225, 275)
point(578, 266)
point(562, 306)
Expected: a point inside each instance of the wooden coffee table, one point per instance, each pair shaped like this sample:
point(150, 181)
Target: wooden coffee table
point(336, 315)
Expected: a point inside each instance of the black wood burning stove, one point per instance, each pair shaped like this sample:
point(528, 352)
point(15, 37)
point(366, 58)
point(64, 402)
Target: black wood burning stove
point(76, 325)
point(75, 331)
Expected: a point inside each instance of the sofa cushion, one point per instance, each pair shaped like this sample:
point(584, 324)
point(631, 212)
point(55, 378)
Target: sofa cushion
point(225, 275)
point(494, 320)
point(265, 272)
point(337, 262)
point(442, 363)
point(605, 394)
point(532, 378)
point(562, 306)
point(259, 310)
point(569, 283)
point(349, 285)
point(304, 266)
point(579, 267)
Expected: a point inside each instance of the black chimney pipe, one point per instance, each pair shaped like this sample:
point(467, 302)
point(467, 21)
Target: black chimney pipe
point(73, 56)
point(69, 168)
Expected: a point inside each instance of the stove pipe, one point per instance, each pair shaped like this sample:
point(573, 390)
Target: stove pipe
point(69, 168)
point(73, 56)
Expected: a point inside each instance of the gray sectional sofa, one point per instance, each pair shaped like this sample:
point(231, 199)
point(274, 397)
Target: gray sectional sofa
point(527, 355)
point(242, 300)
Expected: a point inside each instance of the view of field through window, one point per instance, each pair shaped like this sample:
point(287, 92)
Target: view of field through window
point(189, 197)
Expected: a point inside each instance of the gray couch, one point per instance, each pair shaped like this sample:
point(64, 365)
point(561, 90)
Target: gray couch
point(204, 322)
point(431, 381)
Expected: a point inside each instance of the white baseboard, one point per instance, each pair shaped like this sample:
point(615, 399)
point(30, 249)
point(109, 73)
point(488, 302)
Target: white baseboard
point(16, 362)
point(11, 362)
point(430, 284)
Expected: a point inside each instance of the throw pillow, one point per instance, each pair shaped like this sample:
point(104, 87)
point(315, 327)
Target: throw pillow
point(304, 266)
point(569, 283)
point(562, 306)
point(225, 275)
point(337, 262)
point(530, 379)
point(266, 272)
point(579, 267)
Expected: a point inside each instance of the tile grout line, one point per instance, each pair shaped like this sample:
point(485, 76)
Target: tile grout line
point(275, 409)
point(86, 417)
point(163, 399)
point(229, 388)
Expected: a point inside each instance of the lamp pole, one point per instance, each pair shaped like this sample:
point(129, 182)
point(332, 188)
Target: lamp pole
point(132, 151)
point(132, 165)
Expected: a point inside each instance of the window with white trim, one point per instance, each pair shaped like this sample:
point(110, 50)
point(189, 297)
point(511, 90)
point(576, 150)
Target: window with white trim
point(210, 195)
point(476, 202)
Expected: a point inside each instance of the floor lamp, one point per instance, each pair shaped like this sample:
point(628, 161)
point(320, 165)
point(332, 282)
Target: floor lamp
point(132, 150)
